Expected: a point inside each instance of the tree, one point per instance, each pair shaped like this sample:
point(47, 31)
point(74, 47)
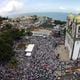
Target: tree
point(5, 51)
point(59, 22)
point(6, 27)
point(35, 18)
point(7, 37)
point(3, 18)
point(29, 33)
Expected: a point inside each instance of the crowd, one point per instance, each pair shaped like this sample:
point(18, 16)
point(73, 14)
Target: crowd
point(41, 65)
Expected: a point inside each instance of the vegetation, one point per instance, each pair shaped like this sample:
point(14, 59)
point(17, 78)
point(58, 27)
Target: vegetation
point(46, 25)
point(49, 26)
point(21, 46)
point(35, 18)
point(28, 32)
point(13, 62)
point(5, 50)
point(59, 22)
point(3, 18)
point(7, 36)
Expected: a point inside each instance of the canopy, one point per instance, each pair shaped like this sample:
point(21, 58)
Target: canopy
point(29, 48)
point(28, 54)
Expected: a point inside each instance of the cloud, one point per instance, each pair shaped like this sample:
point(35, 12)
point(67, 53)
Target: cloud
point(11, 6)
point(77, 9)
point(62, 8)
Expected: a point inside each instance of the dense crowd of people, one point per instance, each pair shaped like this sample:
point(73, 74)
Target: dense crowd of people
point(41, 65)
point(42, 60)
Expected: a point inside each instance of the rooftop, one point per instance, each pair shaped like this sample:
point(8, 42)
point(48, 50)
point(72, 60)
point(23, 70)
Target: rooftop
point(72, 17)
point(41, 32)
point(29, 48)
point(77, 18)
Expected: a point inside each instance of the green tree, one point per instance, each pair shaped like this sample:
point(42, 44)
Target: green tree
point(5, 51)
point(7, 37)
point(35, 18)
point(59, 22)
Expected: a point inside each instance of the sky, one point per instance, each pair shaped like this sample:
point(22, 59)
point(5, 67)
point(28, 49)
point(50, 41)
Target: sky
point(27, 6)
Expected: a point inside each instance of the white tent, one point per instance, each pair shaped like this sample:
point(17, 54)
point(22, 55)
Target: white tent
point(29, 49)
point(28, 54)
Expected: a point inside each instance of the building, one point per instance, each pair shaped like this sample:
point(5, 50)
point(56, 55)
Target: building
point(29, 49)
point(43, 33)
point(72, 38)
point(56, 31)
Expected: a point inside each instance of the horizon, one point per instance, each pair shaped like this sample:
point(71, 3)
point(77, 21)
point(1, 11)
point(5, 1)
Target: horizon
point(9, 7)
point(54, 15)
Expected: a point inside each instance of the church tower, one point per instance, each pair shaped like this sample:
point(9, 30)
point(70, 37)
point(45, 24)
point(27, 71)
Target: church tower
point(72, 38)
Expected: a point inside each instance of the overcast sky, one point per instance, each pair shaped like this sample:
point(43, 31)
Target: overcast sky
point(26, 6)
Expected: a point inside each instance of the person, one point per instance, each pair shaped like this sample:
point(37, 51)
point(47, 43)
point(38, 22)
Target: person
point(76, 62)
point(57, 56)
point(55, 45)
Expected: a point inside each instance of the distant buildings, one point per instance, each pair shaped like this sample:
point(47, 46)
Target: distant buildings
point(41, 20)
point(72, 39)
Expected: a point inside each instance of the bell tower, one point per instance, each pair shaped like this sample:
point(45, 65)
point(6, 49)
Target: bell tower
point(72, 39)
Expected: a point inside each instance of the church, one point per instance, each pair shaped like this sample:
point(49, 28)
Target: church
point(72, 37)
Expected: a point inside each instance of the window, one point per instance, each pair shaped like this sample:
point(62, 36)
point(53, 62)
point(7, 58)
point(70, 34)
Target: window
point(79, 29)
point(78, 34)
point(79, 54)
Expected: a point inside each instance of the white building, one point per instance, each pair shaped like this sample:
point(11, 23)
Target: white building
point(72, 39)
point(29, 49)
point(43, 33)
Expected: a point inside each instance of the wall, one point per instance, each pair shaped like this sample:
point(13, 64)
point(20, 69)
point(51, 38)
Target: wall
point(76, 50)
point(69, 44)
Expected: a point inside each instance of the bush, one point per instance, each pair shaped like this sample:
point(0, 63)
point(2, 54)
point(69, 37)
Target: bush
point(13, 62)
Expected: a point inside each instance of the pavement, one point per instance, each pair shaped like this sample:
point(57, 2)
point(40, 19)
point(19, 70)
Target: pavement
point(60, 49)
